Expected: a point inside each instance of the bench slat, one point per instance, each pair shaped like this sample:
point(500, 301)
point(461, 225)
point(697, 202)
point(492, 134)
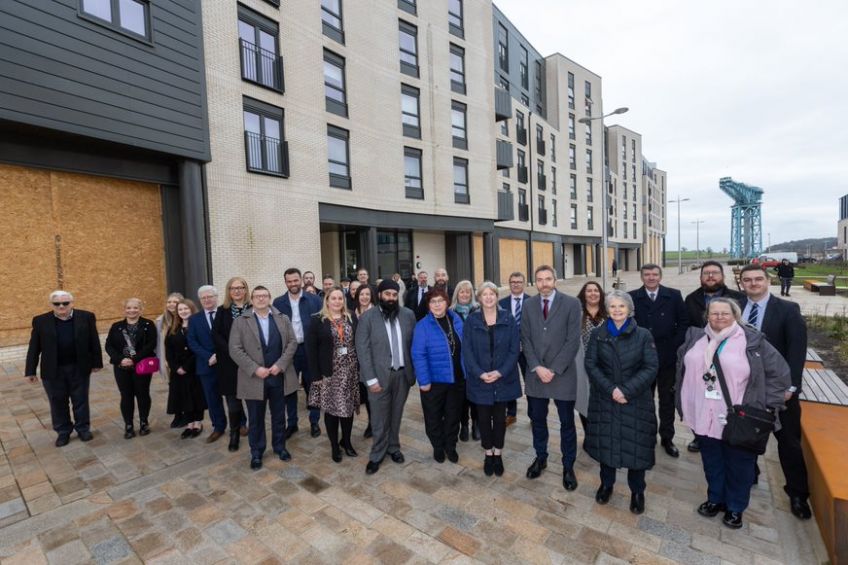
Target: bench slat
point(836, 386)
point(821, 380)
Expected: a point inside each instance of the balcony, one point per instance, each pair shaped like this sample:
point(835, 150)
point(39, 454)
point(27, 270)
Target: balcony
point(522, 174)
point(261, 66)
point(523, 212)
point(266, 154)
point(506, 210)
point(503, 104)
point(543, 181)
point(503, 151)
point(540, 146)
point(521, 135)
point(543, 216)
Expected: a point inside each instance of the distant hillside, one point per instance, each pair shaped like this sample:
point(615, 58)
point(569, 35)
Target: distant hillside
point(806, 246)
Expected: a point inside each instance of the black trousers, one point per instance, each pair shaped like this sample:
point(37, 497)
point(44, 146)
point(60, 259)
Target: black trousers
point(442, 406)
point(235, 411)
point(789, 450)
point(332, 423)
point(664, 387)
point(133, 388)
point(68, 386)
point(512, 405)
point(274, 401)
point(363, 395)
point(635, 478)
point(469, 409)
point(491, 421)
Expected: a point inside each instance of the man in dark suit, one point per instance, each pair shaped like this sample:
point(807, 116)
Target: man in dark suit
point(66, 342)
point(661, 310)
point(550, 338)
point(514, 303)
point(299, 306)
point(202, 344)
point(383, 345)
point(414, 299)
point(781, 322)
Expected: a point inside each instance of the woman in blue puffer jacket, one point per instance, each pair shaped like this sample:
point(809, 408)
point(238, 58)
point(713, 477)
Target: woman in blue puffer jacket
point(437, 357)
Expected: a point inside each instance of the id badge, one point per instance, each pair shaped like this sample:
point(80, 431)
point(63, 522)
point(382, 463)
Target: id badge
point(341, 351)
point(712, 395)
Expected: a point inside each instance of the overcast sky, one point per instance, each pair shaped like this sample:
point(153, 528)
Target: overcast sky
point(754, 90)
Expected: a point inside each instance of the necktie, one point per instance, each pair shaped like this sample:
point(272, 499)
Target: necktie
point(395, 346)
point(420, 294)
point(518, 312)
point(545, 308)
point(211, 318)
point(653, 296)
point(754, 314)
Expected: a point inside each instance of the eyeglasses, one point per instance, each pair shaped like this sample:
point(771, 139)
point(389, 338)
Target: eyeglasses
point(711, 273)
point(516, 282)
point(61, 303)
point(721, 314)
point(237, 288)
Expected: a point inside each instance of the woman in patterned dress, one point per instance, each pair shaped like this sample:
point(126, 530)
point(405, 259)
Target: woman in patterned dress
point(591, 297)
point(335, 368)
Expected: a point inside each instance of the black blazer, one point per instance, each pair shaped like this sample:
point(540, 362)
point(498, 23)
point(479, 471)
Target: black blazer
point(411, 299)
point(42, 344)
point(666, 318)
point(178, 354)
point(696, 305)
point(786, 330)
point(146, 346)
point(320, 347)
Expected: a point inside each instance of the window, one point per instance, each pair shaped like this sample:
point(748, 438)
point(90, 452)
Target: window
point(624, 184)
point(523, 212)
point(633, 150)
point(408, 41)
point(590, 196)
point(265, 150)
point(525, 100)
point(634, 230)
point(571, 91)
point(573, 216)
point(127, 16)
point(589, 161)
point(588, 134)
point(588, 89)
point(553, 148)
point(338, 157)
point(459, 129)
point(331, 19)
point(334, 84)
point(260, 61)
point(503, 48)
point(522, 197)
point(457, 69)
point(455, 18)
point(634, 192)
point(523, 69)
point(522, 165)
point(624, 216)
point(538, 81)
point(410, 111)
point(408, 6)
point(504, 127)
point(540, 138)
point(572, 187)
point(460, 181)
point(554, 220)
point(623, 148)
point(520, 130)
point(540, 174)
point(506, 187)
point(572, 157)
point(590, 219)
point(572, 134)
point(625, 229)
point(553, 180)
point(633, 170)
point(412, 173)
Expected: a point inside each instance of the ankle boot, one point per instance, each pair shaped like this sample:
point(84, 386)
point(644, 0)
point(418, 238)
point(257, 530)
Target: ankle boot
point(234, 440)
point(143, 428)
point(129, 431)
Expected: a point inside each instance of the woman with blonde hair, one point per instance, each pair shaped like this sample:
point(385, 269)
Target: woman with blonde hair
point(186, 400)
point(164, 322)
point(464, 303)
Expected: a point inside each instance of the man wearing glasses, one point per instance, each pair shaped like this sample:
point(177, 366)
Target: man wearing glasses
point(514, 303)
point(68, 347)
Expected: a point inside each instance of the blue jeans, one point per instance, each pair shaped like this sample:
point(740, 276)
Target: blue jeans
point(301, 367)
point(275, 400)
point(729, 471)
point(537, 409)
point(214, 401)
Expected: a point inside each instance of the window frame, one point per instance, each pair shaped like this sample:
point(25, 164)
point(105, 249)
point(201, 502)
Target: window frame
point(460, 142)
point(408, 129)
point(415, 193)
point(571, 91)
point(265, 110)
point(457, 30)
point(114, 23)
point(407, 68)
point(260, 23)
point(333, 32)
point(461, 197)
point(457, 86)
point(408, 6)
point(337, 180)
point(524, 68)
point(332, 105)
point(503, 48)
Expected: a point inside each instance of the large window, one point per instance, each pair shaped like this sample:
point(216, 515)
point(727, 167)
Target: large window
point(571, 91)
point(553, 180)
point(572, 133)
point(572, 157)
point(503, 48)
point(408, 42)
point(554, 219)
point(459, 127)
point(260, 60)
point(588, 134)
point(331, 19)
point(589, 161)
point(408, 6)
point(334, 83)
point(412, 173)
point(457, 69)
point(590, 218)
point(553, 148)
point(411, 111)
point(523, 69)
point(460, 181)
point(572, 187)
point(127, 16)
point(338, 156)
point(265, 149)
point(521, 161)
point(520, 130)
point(538, 81)
point(455, 18)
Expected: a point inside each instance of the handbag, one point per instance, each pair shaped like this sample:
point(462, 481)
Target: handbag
point(316, 389)
point(747, 427)
point(147, 366)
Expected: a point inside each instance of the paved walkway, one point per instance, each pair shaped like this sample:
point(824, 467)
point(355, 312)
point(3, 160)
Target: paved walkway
point(160, 499)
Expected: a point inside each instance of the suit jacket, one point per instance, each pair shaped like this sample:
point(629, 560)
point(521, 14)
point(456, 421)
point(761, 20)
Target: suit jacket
point(786, 330)
point(225, 367)
point(411, 301)
point(308, 305)
point(374, 350)
point(43, 345)
point(200, 341)
point(696, 305)
point(246, 351)
point(145, 347)
point(666, 318)
point(551, 343)
point(506, 302)
point(321, 347)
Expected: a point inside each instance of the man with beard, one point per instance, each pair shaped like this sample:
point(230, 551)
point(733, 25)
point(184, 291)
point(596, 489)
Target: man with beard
point(441, 281)
point(383, 343)
point(414, 299)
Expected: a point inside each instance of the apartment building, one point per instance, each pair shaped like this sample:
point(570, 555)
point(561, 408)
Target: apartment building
point(654, 199)
point(842, 227)
point(624, 198)
point(103, 133)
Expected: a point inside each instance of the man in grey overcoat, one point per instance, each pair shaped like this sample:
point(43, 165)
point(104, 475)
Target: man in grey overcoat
point(263, 344)
point(550, 338)
point(383, 343)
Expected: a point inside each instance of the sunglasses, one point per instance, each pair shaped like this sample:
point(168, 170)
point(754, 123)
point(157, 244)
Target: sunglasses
point(61, 303)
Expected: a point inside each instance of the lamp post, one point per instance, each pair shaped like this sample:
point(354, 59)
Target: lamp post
point(679, 249)
point(698, 239)
point(604, 243)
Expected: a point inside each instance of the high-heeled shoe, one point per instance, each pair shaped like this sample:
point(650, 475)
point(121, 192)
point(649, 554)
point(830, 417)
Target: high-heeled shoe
point(187, 433)
point(337, 454)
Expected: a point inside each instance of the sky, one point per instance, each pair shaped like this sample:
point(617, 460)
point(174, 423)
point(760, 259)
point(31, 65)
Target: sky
point(756, 90)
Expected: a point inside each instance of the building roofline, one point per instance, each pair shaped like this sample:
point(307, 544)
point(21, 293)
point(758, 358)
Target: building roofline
point(500, 13)
point(573, 62)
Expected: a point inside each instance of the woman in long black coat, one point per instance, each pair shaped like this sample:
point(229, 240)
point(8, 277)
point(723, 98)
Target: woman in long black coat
point(621, 361)
point(185, 399)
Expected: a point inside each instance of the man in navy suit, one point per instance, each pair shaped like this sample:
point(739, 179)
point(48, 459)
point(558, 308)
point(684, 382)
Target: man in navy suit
point(299, 307)
point(514, 303)
point(661, 310)
point(414, 299)
point(202, 344)
point(785, 329)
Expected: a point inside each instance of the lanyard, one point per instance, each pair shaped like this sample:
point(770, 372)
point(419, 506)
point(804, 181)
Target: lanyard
point(340, 329)
point(710, 376)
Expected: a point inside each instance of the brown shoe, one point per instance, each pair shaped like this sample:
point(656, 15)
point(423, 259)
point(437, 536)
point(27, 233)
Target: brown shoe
point(510, 420)
point(214, 436)
point(243, 431)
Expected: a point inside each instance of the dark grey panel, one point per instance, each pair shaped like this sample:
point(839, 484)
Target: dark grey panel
point(345, 215)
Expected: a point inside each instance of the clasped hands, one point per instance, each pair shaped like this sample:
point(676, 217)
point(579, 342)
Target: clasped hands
point(265, 372)
point(618, 396)
point(490, 377)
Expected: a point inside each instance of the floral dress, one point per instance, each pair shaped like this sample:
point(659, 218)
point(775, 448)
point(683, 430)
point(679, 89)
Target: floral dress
point(340, 391)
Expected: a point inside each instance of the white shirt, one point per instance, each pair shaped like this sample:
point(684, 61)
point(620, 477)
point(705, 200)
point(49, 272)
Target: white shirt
point(371, 382)
point(550, 300)
point(516, 300)
point(208, 320)
point(263, 324)
point(297, 323)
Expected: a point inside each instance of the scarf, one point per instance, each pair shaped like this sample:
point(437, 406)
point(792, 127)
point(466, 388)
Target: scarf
point(463, 310)
point(715, 339)
point(614, 331)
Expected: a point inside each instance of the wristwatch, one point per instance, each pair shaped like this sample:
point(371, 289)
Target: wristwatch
point(792, 389)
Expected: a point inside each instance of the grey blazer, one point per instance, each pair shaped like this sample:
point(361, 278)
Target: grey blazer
point(246, 351)
point(374, 351)
point(551, 343)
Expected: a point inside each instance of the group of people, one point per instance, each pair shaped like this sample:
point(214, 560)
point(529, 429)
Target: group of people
point(604, 355)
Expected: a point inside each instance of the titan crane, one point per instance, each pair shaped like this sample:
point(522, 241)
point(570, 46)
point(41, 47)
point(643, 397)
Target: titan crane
point(746, 234)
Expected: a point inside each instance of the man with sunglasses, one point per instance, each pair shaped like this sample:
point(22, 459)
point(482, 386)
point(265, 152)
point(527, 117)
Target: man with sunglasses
point(66, 343)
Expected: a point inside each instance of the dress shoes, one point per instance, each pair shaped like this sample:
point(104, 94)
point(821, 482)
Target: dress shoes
point(256, 463)
point(197, 431)
point(85, 435)
point(694, 446)
point(243, 431)
point(463, 432)
point(234, 440)
point(372, 468)
point(314, 430)
point(569, 479)
point(711, 509)
point(510, 420)
point(62, 440)
point(535, 469)
point(475, 432)
point(284, 455)
point(368, 432)
point(214, 436)
point(291, 431)
point(129, 432)
point(144, 429)
point(603, 495)
point(670, 448)
point(348, 450)
point(489, 465)
point(732, 520)
point(398, 457)
point(637, 502)
point(498, 465)
point(453, 456)
point(439, 454)
point(187, 433)
point(336, 455)
point(800, 508)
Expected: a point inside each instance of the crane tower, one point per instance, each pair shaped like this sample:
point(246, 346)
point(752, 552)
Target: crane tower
point(746, 235)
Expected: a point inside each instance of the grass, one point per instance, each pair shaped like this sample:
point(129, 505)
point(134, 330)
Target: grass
point(816, 270)
point(835, 327)
point(689, 255)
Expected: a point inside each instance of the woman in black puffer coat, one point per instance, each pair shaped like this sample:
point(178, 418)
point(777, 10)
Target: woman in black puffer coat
point(621, 361)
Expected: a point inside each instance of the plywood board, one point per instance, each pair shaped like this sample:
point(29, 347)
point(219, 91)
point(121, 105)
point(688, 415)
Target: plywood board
point(479, 271)
point(513, 257)
point(543, 254)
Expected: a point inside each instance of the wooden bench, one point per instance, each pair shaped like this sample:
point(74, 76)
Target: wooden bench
point(822, 288)
point(814, 360)
point(823, 386)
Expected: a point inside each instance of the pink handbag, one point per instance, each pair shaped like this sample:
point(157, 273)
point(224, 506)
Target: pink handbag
point(147, 366)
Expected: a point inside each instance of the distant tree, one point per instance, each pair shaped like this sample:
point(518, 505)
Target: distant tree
point(683, 249)
point(710, 252)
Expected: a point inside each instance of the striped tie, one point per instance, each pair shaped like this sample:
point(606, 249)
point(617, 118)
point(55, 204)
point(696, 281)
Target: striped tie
point(518, 311)
point(754, 314)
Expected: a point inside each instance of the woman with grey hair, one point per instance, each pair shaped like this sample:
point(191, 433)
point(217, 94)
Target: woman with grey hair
point(621, 361)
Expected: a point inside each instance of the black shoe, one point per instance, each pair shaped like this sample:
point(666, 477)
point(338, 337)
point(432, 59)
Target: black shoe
point(535, 469)
point(694, 446)
point(284, 455)
point(197, 431)
point(143, 429)
point(368, 432)
point(85, 435)
point(337, 454)
point(669, 447)
point(463, 432)
point(569, 479)
point(314, 430)
point(256, 463)
point(475, 433)
point(637, 502)
point(732, 520)
point(234, 440)
point(453, 456)
point(129, 432)
point(372, 468)
point(348, 450)
point(710, 510)
point(397, 457)
point(177, 422)
point(499, 468)
point(489, 465)
point(291, 431)
point(187, 433)
point(62, 440)
point(756, 473)
point(603, 495)
point(800, 508)
point(439, 454)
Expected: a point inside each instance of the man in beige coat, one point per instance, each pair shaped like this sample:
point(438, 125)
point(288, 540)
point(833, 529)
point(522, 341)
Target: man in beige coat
point(262, 343)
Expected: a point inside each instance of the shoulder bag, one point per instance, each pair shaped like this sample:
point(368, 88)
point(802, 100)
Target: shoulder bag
point(747, 427)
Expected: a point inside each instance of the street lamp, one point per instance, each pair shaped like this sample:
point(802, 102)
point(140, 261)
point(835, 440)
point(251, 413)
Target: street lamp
point(679, 249)
point(698, 239)
point(604, 243)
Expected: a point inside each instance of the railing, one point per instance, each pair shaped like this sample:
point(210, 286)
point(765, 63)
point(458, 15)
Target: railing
point(503, 153)
point(522, 174)
point(261, 66)
point(503, 104)
point(523, 212)
point(543, 216)
point(540, 146)
point(543, 182)
point(266, 154)
point(521, 135)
